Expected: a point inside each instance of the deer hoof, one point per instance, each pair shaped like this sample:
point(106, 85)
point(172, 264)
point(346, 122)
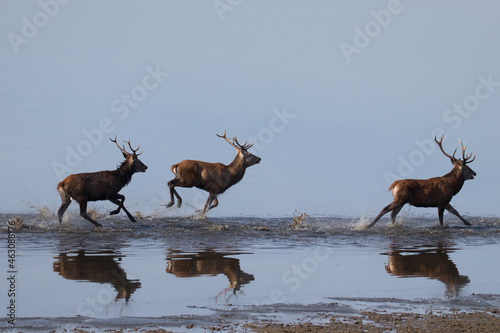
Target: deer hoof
point(179, 204)
point(170, 204)
point(114, 212)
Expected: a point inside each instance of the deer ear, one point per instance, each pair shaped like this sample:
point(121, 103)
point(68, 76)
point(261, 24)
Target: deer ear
point(458, 161)
point(125, 154)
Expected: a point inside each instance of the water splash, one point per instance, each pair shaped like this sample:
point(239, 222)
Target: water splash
point(362, 224)
point(298, 220)
point(45, 213)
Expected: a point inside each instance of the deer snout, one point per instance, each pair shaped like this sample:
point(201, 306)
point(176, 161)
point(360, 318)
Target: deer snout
point(142, 168)
point(471, 174)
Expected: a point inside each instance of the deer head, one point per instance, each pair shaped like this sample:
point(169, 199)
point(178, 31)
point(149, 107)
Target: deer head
point(131, 159)
point(249, 159)
point(461, 164)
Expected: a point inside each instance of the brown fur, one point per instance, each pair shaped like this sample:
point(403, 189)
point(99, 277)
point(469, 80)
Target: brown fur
point(432, 192)
point(215, 178)
point(101, 185)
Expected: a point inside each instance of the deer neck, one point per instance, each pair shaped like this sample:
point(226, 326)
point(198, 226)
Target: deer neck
point(124, 173)
point(455, 179)
point(237, 168)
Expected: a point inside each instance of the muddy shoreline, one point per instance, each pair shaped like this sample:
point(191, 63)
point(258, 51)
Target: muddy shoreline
point(325, 317)
point(365, 321)
point(488, 321)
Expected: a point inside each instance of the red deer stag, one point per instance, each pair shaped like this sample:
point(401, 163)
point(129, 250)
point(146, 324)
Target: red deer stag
point(433, 192)
point(215, 178)
point(102, 185)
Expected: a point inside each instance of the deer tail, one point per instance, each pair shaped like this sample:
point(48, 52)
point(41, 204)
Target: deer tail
point(393, 185)
point(62, 191)
point(174, 169)
point(394, 188)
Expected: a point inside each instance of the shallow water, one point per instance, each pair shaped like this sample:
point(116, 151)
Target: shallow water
point(171, 270)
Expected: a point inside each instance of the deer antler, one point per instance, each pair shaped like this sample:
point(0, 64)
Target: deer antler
point(440, 144)
point(235, 142)
point(121, 149)
point(133, 150)
point(225, 138)
point(466, 158)
point(245, 146)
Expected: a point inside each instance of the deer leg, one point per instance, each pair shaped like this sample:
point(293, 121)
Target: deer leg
point(66, 202)
point(384, 211)
point(116, 202)
point(440, 215)
point(120, 206)
point(115, 199)
point(454, 212)
point(214, 204)
point(211, 198)
point(171, 186)
point(83, 213)
point(395, 212)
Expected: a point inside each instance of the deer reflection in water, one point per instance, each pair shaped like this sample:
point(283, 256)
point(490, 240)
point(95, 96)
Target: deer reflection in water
point(209, 263)
point(433, 263)
point(99, 267)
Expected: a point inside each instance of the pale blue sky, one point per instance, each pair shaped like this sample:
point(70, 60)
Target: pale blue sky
point(362, 84)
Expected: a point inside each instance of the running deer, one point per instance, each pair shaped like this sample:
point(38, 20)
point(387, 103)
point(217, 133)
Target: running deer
point(215, 178)
point(433, 192)
point(102, 185)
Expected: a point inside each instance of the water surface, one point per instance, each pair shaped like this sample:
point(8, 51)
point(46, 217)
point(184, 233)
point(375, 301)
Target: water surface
point(162, 268)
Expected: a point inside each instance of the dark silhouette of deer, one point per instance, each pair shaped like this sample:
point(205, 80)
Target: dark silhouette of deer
point(96, 267)
point(209, 263)
point(102, 185)
point(433, 192)
point(215, 178)
point(433, 263)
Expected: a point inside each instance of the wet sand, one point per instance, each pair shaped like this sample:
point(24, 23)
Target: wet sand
point(395, 322)
point(453, 321)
